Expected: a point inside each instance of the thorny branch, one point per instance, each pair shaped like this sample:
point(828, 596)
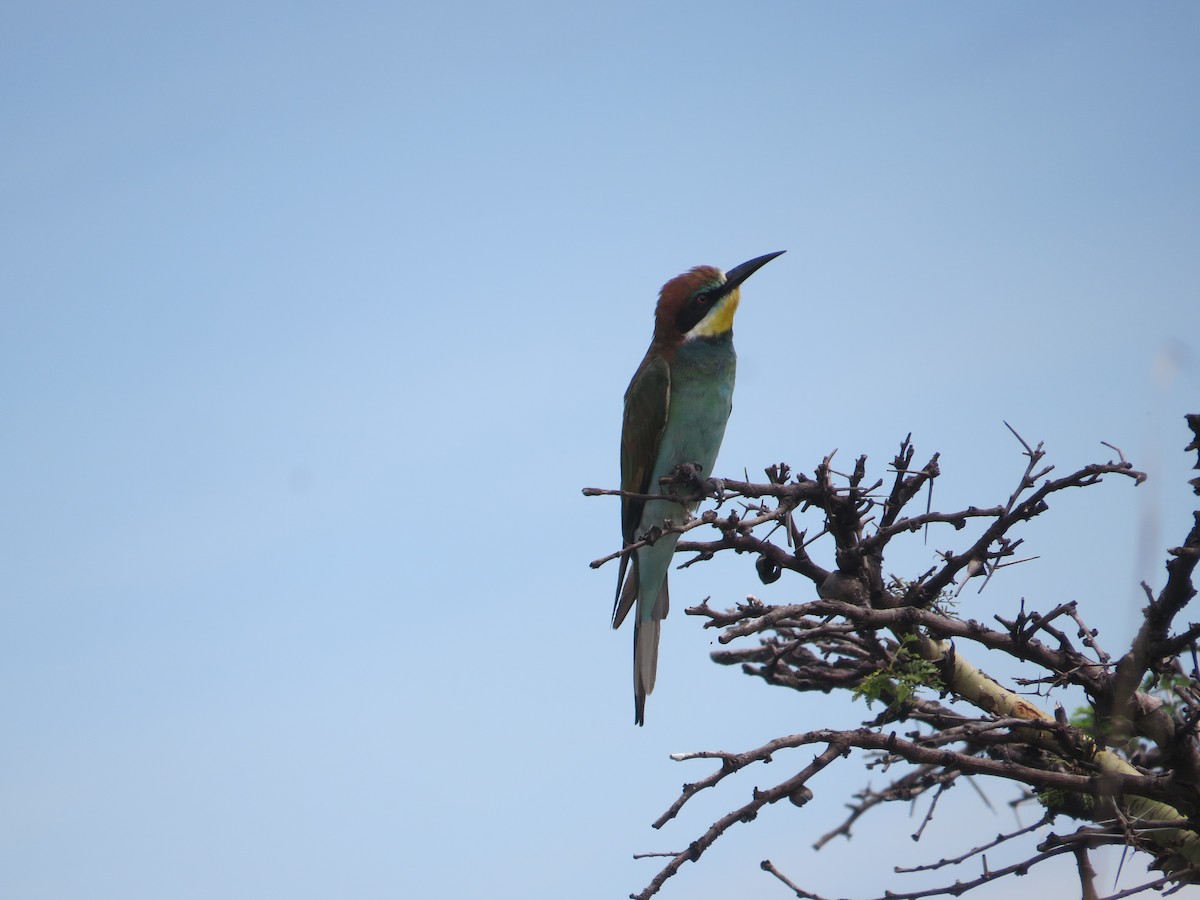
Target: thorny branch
point(1127, 766)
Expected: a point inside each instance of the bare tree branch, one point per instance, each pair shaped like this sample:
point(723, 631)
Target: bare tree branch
point(1126, 766)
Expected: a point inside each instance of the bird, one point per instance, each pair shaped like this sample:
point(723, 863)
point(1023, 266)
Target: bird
point(676, 408)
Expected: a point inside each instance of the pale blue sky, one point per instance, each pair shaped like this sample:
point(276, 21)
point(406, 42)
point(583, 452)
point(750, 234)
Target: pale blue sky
point(315, 320)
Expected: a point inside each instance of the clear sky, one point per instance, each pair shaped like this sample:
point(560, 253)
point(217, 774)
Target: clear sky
point(314, 319)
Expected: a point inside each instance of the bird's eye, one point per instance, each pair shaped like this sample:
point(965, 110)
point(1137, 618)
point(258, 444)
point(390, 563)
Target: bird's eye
point(701, 299)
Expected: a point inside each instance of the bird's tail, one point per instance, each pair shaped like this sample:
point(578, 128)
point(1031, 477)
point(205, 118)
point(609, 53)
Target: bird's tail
point(645, 652)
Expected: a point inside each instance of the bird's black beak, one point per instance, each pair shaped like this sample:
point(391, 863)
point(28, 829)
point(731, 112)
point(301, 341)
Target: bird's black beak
point(738, 274)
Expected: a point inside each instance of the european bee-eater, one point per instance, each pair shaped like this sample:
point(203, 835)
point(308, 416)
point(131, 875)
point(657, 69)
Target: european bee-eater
point(676, 408)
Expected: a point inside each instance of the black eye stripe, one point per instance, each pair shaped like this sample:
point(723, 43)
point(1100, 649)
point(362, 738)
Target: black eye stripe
point(695, 309)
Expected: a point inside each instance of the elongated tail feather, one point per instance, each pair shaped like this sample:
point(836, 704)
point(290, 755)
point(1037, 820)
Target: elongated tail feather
point(645, 652)
point(645, 664)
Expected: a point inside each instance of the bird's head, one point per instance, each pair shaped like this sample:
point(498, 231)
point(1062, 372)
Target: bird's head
point(701, 302)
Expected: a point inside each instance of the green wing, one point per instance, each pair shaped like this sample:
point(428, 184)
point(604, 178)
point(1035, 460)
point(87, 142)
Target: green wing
point(646, 402)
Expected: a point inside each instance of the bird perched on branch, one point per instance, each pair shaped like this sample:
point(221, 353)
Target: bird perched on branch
point(676, 408)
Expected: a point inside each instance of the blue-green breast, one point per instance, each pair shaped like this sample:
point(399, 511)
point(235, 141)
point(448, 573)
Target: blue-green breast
point(702, 377)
